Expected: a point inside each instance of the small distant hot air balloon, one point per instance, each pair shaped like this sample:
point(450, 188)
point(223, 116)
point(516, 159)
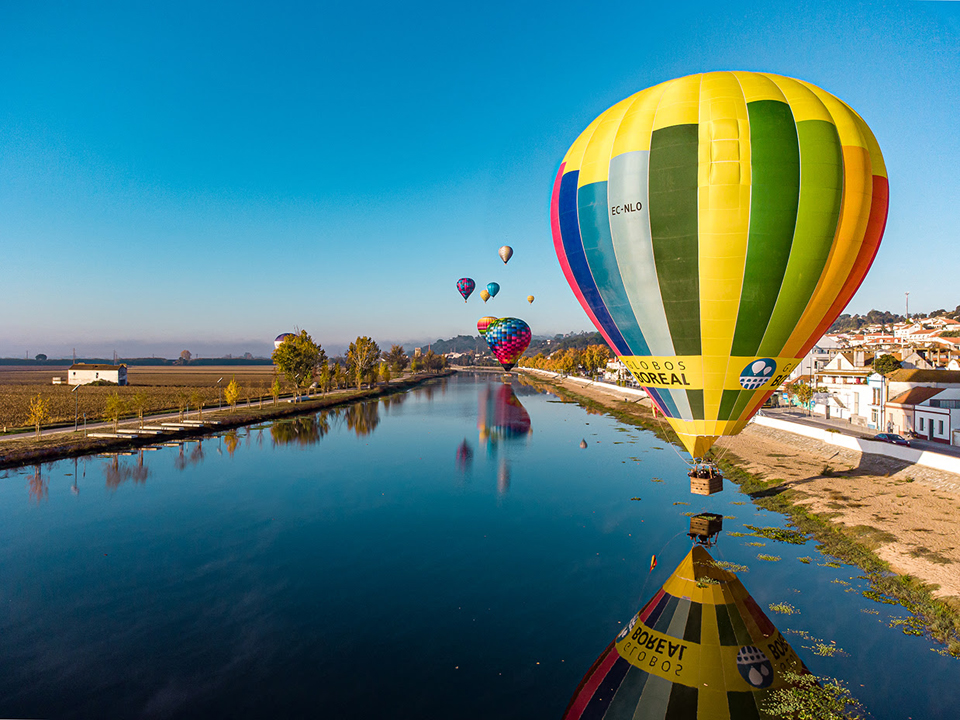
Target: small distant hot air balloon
point(465, 286)
point(508, 338)
point(484, 295)
point(483, 323)
point(493, 289)
point(653, 563)
point(280, 338)
point(530, 299)
point(506, 252)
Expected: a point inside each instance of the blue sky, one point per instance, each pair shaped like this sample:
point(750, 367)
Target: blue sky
point(207, 175)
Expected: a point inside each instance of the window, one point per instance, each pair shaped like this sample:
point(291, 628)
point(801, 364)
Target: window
point(920, 424)
point(939, 427)
point(873, 416)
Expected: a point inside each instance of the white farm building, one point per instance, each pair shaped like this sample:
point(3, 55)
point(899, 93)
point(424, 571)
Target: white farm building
point(82, 373)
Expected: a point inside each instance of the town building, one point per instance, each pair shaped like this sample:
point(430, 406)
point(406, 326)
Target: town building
point(83, 374)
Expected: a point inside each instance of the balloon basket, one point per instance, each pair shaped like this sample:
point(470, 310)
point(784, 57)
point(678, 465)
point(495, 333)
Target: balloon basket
point(704, 528)
point(705, 479)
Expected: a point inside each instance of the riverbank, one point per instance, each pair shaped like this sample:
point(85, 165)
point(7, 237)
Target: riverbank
point(30, 451)
point(894, 520)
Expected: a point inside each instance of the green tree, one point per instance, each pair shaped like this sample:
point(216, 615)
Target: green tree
point(398, 359)
point(39, 411)
point(362, 357)
point(298, 358)
point(275, 389)
point(595, 358)
point(41, 357)
point(385, 372)
point(138, 401)
point(886, 364)
point(433, 362)
point(232, 392)
point(416, 364)
point(325, 376)
point(803, 392)
point(196, 399)
point(116, 406)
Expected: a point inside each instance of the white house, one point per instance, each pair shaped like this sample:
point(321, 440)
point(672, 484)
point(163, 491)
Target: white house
point(845, 394)
point(82, 374)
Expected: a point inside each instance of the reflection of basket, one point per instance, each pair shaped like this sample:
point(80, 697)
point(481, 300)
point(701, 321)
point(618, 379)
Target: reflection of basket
point(706, 524)
point(706, 486)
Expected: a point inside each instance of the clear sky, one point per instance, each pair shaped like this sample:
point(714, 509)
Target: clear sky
point(206, 175)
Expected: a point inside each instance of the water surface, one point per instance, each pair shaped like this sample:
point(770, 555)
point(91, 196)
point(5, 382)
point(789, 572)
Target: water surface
point(448, 553)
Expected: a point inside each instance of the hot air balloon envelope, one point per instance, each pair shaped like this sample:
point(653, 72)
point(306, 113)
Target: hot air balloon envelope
point(506, 252)
point(529, 298)
point(465, 286)
point(484, 295)
point(508, 338)
point(483, 323)
point(493, 289)
point(280, 339)
point(713, 227)
point(700, 648)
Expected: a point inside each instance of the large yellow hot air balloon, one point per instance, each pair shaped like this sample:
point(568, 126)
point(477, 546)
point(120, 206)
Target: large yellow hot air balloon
point(713, 227)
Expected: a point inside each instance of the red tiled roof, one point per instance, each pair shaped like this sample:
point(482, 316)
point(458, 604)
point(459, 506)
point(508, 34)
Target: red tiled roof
point(924, 376)
point(915, 396)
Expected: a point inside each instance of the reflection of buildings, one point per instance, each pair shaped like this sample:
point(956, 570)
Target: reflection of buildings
point(501, 416)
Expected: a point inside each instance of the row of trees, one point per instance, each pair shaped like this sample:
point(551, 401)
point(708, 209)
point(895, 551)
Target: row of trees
point(590, 360)
point(304, 362)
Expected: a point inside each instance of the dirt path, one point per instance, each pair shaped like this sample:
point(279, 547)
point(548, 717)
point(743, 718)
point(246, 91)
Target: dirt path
point(906, 513)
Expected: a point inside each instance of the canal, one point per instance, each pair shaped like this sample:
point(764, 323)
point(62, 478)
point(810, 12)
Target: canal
point(452, 552)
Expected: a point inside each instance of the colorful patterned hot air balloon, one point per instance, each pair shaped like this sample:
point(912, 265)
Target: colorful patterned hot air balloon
point(483, 323)
point(508, 338)
point(529, 298)
point(465, 286)
point(506, 252)
point(696, 650)
point(484, 295)
point(493, 289)
point(713, 227)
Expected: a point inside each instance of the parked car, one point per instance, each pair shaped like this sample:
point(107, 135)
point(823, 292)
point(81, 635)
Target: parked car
point(892, 438)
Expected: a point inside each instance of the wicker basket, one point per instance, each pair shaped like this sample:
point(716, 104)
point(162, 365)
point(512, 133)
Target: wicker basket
point(706, 486)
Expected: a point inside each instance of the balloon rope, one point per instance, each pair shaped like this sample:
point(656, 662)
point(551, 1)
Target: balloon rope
point(646, 580)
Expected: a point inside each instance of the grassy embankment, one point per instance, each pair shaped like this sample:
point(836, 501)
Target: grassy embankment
point(26, 451)
point(938, 617)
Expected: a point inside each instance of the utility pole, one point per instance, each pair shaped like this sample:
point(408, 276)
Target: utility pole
point(907, 294)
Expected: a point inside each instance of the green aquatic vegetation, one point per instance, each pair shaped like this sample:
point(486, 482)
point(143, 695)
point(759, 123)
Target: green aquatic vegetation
point(740, 534)
point(730, 566)
point(738, 502)
point(838, 581)
point(729, 517)
point(830, 564)
point(681, 503)
point(768, 558)
point(809, 697)
point(689, 513)
point(805, 560)
point(824, 650)
point(636, 498)
point(911, 625)
point(757, 544)
point(703, 581)
point(868, 611)
point(784, 608)
point(794, 537)
point(877, 597)
point(656, 479)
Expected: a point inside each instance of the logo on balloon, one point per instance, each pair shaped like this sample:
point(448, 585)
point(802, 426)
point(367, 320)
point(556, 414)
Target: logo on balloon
point(754, 666)
point(757, 373)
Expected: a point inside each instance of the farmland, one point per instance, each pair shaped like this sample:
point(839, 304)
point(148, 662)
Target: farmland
point(152, 388)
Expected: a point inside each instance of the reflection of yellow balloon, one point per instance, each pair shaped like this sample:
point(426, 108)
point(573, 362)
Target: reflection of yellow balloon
point(713, 227)
point(485, 295)
point(529, 298)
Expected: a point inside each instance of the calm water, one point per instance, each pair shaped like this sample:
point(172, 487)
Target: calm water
point(450, 553)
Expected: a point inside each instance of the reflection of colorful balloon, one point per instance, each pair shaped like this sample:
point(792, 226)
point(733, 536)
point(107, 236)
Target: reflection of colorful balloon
point(465, 286)
point(508, 338)
point(735, 662)
point(485, 295)
point(502, 415)
point(506, 252)
point(483, 323)
point(493, 289)
point(713, 222)
point(280, 338)
point(529, 298)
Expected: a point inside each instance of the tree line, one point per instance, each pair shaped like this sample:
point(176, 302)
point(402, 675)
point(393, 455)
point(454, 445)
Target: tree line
point(590, 360)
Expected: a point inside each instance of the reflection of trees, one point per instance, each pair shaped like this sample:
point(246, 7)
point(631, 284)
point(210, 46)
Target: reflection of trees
point(183, 460)
point(363, 417)
point(231, 439)
point(37, 485)
point(394, 400)
point(303, 430)
point(116, 473)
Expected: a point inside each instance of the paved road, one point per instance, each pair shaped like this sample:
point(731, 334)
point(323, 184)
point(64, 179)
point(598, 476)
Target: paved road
point(799, 416)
